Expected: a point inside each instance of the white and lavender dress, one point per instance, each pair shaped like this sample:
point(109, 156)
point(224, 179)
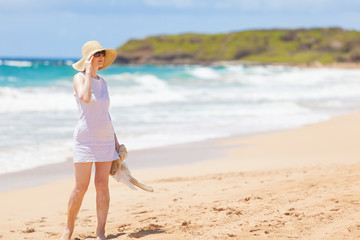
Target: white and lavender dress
point(94, 134)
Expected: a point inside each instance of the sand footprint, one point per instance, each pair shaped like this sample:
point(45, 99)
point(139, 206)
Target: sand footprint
point(141, 212)
point(229, 211)
point(123, 227)
point(28, 230)
point(86, 221)
point(149, 218)
point(150, 229)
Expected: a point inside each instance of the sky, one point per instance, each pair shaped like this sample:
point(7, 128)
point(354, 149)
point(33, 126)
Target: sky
point(59, 28)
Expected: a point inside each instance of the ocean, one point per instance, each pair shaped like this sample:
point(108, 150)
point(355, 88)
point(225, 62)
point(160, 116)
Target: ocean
point(155, 106)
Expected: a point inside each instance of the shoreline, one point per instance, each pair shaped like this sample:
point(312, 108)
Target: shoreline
point(158, 158)
point(314, 65)
point(143, 159)
point(334, 65)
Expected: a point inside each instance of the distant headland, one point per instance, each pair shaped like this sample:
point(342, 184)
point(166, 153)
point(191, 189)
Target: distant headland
point(277, 46)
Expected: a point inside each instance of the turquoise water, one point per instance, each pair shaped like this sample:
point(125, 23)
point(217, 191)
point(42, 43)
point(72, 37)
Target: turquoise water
point(162, 105)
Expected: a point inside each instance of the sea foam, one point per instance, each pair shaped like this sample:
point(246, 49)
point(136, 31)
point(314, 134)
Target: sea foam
point(153, 106)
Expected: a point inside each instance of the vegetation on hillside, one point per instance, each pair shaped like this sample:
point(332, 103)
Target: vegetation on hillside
point(324, 45)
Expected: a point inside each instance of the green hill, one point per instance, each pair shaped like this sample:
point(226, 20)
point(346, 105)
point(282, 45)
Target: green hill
point(324, 45)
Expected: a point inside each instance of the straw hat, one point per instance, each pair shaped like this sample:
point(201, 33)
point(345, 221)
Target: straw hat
point(92, 47)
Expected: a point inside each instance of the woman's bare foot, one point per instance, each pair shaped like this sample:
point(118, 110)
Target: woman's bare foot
point(66, 234)
point(100, 236)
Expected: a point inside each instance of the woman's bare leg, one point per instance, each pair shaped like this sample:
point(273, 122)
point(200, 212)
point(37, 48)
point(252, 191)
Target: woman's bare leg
point(82, 179)
point(102, 170)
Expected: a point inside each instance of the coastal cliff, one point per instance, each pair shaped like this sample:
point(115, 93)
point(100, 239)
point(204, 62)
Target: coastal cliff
point(298, 46)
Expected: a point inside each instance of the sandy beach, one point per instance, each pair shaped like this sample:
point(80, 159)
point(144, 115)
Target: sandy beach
point(295, 184)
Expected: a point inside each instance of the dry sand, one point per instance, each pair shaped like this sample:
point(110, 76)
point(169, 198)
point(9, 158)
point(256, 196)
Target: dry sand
point(296, 184)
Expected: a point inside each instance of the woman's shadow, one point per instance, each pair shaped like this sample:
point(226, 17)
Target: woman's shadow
point(138, 234)
point(143, 233)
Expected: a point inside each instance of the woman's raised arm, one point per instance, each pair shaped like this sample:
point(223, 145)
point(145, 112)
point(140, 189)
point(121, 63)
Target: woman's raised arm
point(82, 85)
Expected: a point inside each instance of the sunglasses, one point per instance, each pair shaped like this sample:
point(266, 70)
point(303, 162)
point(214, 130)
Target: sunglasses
point(97, 54)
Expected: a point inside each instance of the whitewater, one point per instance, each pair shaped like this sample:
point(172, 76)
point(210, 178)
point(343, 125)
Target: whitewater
point(154, 106)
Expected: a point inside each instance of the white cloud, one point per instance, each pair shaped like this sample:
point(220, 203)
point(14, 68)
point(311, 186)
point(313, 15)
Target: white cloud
point(174, 3)
point(277, 4)
point(115, 6)
point(257, 5)
point(16, 4)
point(21, 6)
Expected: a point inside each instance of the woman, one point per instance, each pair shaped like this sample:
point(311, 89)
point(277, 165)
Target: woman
point(94, 137)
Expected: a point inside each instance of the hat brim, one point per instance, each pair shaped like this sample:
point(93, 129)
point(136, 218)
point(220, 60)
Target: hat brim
point(109, 58)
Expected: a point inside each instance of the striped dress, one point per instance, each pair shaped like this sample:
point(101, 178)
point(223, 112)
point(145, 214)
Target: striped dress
point(94, 134)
